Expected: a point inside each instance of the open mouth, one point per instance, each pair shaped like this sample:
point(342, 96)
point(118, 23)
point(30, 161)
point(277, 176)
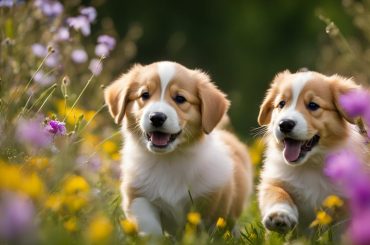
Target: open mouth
point(161, 139)
point(294, 150)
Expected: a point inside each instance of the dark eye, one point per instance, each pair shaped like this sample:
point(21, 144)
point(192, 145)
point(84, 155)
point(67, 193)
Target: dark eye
point(312, 106)
point(145, 95)
point(179, 99)
point(281, 104)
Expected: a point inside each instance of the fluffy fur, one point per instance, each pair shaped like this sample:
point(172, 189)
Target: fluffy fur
point(292, 184)
point(174, 153)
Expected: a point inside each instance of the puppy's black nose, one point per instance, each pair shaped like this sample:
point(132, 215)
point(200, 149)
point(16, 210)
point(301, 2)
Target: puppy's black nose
point(157, 118)
point(286, 125)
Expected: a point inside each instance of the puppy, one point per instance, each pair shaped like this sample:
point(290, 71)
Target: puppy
point(174, 156)
point(304, 122)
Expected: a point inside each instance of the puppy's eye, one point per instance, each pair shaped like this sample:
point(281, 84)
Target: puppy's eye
point(312, 106)
point(179, 99)
point(281, 104)
point(145, 96)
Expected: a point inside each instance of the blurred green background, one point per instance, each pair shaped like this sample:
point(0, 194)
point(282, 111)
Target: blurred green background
point(241, 44)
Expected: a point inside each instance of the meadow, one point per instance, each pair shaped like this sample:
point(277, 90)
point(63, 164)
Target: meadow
point(59, 148)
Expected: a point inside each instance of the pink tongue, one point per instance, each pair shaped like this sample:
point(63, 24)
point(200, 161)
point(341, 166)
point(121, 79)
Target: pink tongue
point(292, 150)
point(160, 139)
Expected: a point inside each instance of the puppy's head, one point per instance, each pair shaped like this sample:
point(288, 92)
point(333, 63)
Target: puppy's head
point(165, 105)
point(302, 112)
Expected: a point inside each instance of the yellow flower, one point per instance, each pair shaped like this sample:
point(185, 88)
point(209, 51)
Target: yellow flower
point(128, 227)
point(39, 163)
point(54, 202)
point(256, 151)
point(109, 147)
point(99, 229)
point(333, 201)
point(71, 224)
point(73, 115)
point(75, 184)
point(33, 186)
point(75, 202)
point(194, 218)
point(322, 218)
point(221, 223)
point(116, 157)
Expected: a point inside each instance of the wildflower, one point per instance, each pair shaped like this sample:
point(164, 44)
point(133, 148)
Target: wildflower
point(6, 3)
point(54, 202)
point(49, 8)
point(75, 202)
point(359, 228)
point(71, 224)
point(42, 78)
point(75, 184)
point(256, 151)
point(38, 163)
point(221, 223)
point(56, 128)
point(128, 227)
point(194, 218)
point(109, 147)
point(333, 201)
point(80, 23)
point(95, 67)
point(89, 13)
point(39, 50)
point(355, 103)
point(53, 60)
point(105, 45)
point(99, 229)
point(227, 235)
point(17, 216)
point(322, 218)
point(62, 34)
point(79, 56)
point(31, 132)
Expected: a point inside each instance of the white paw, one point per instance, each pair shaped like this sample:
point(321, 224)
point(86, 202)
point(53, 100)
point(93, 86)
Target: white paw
point(281, 220)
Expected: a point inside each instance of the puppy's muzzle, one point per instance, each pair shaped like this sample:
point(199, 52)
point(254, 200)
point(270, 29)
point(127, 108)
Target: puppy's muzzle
point(157, 119)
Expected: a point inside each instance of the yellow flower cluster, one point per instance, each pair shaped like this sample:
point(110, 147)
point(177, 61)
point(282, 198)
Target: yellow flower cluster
point(13, 178)
point(129, 227)
point(256, 151)
point(99, 229)
point(324, 217)
point(72, 115)
point(73, 196)
point(194, 218)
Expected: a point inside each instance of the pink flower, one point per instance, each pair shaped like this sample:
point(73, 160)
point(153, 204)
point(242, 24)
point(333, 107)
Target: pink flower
point(89, 12)
point(43, 78)
point(32, 133)
point(62, 34)
point(49, 8)
point(80, 23)
point(39, 50)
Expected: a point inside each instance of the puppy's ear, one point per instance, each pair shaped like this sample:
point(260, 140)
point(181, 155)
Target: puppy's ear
point(116, 94)
point(341, 85)
point(267, 106)
point(214, 104)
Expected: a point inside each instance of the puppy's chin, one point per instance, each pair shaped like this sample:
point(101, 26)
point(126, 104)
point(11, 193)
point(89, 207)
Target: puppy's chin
point(161, 143)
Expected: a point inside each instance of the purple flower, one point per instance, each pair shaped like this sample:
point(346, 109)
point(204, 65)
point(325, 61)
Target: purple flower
point(80, 23)
point(17, 217)
point(53, 60)
point(39, 50)
point(50, 8)
point(62, 34)
point(43, 78)
point(56, 128)
point(95, 67)
point(32, 132)
point(359, 228)
point(355, 103)
point(105, 45)
point(89, 12)
point(342, 166)
point(6, 3)
point(109, 41)
point(102, 50)
point(79, 56)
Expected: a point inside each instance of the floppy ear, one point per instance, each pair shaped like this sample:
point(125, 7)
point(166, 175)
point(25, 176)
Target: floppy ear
point(267, 106)
point(341, 85)
point(214, 104)
point(116, 94)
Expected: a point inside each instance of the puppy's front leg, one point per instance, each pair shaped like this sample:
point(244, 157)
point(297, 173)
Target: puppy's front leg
point(145, 215)
point(279, 213)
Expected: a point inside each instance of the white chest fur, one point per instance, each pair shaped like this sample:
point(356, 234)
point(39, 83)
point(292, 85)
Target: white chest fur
point(169, 178)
